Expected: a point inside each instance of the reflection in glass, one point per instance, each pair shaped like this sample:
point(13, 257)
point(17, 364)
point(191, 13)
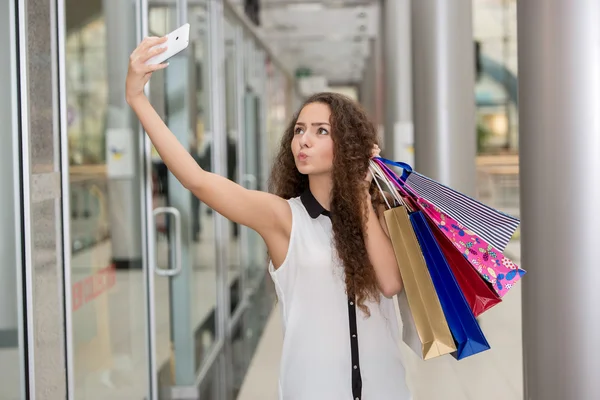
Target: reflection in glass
point(233, 170)
point(255, 259)
point(496, 86)
point(11, 352)
point(109, 304)
point(185, 304)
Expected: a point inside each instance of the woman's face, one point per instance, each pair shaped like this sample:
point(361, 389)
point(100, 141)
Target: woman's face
point(312, 144)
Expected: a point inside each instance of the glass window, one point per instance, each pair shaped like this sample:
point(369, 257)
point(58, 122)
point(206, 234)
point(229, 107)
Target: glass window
point(495, 31)
point(186, 303)
point(232, 91)
point(108, 297)
point(11, 350)
point(255, 259)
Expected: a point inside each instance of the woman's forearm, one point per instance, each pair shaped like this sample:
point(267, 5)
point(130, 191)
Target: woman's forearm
point(382, 256)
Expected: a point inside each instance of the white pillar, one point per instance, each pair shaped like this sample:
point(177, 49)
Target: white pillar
point(559, 107)
point(444, 92)
point(398, 130)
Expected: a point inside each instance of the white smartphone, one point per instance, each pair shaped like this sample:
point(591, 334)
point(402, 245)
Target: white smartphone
point(177, 41)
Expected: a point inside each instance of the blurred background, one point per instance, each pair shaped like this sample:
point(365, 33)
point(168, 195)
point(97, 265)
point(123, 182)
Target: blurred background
point(118, 284)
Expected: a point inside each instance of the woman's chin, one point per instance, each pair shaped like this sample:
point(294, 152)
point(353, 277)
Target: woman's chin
point(310, 170)
point(304, 170)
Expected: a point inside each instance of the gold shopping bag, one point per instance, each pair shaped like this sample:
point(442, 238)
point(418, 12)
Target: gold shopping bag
point(425, 329)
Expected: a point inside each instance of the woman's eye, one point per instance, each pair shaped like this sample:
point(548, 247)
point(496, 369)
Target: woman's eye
point(323, 131)
point(298, 131)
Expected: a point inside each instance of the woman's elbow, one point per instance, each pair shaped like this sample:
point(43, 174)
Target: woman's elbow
point(195, 183)
point(392, 288)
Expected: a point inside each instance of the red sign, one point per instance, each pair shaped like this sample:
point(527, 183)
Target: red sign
point(91, 287)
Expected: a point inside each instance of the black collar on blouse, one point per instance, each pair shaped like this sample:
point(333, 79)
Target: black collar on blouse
point(311, 204)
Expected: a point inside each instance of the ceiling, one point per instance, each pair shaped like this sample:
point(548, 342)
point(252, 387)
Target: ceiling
point(329, 37)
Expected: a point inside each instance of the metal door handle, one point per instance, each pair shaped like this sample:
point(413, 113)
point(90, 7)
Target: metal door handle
point(177, 251)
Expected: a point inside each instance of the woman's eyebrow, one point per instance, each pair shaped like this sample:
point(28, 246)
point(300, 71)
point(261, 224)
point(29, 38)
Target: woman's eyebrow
point(313, 124)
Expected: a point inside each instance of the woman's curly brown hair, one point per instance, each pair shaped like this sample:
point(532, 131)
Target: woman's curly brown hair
point(354, 137)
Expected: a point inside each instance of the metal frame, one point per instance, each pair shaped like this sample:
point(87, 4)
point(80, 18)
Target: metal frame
point(141, 20)
point(216, 60)
point(236, 317)
point(249, 28)
point(180, 87)
point(274, 4)
point(264, 102)
point(216, 109)
point(238, 66)
point(210, 361)
point(230, 9)
point(149, 234)
point(24, 189)
point(177, 253)
point(22, 315)
point(65, 189)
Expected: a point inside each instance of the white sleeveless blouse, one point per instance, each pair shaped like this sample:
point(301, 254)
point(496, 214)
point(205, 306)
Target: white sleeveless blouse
point(316, 359)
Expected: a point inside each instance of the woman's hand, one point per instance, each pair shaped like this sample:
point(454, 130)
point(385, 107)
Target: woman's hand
point(139, 73)
point(374, 153)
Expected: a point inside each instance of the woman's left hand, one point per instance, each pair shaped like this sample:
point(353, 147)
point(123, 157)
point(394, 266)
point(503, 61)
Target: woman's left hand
point(374, 153)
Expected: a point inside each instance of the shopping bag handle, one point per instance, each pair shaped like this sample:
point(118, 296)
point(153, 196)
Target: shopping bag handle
point(407, 169)
point(376, 180)
point(401, 181)
point(379, 174)
point(406, 190)
point(391, 176)
point(396, 186)
point(400, 184)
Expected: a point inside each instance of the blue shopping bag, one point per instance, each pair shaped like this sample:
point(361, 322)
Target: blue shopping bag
point(461, 321)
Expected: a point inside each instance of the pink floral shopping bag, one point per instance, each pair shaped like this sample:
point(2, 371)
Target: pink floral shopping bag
point(493, 266)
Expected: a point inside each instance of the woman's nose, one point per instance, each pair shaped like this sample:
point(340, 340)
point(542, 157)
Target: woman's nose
point(305, 140)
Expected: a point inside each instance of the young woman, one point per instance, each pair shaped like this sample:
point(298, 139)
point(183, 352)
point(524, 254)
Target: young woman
point(332, 262)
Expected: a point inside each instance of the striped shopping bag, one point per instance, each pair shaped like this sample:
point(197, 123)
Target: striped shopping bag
point(494, 226)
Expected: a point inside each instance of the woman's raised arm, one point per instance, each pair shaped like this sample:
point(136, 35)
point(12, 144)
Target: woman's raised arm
point(266, 213)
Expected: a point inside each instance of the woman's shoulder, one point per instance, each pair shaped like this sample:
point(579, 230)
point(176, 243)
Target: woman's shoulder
point(295, 200)
point(295, 206)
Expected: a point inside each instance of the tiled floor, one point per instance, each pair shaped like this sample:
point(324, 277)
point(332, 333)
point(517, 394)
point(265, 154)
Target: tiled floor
point(493, 375)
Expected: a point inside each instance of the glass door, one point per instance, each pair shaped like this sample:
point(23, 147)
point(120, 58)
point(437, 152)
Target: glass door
point(255, 256)
point(184, 262)
point(12, 343)
point(104, 231)
point(233, 128)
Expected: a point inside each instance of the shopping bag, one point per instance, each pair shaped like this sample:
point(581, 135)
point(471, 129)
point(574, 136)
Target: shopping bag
point(478, 292)
point(425, 328)
point(495, 227)
point(489, 262)
point(461, 321)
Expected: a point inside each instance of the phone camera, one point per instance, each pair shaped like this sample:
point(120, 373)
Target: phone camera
point(177, 38)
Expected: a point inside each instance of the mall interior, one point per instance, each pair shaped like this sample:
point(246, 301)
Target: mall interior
point(117, 284)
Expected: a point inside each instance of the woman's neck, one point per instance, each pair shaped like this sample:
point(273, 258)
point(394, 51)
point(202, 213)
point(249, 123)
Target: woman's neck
point(320, 187)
